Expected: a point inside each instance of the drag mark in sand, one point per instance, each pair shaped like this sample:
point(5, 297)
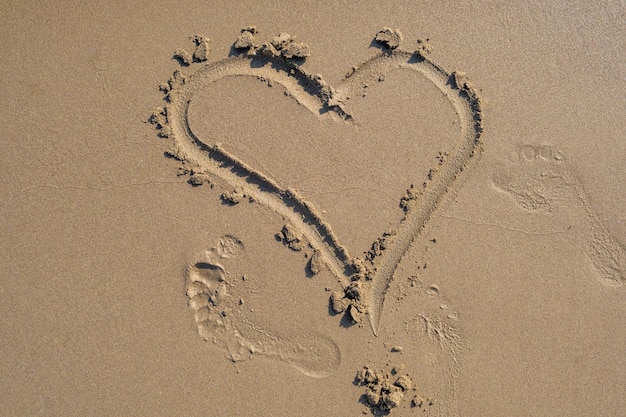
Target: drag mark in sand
point(365, 281)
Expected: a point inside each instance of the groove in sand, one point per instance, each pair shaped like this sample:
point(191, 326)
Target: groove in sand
point(317, 96)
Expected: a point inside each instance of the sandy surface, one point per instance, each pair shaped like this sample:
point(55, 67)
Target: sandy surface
point(314, 224)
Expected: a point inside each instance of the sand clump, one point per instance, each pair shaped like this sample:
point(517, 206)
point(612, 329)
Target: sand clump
point(200, 53)
point(196, 178)
point(291, 237)
point(384, 392)
point(283, 45)
point(289, 48)
point(353, 301)
point(423, 47)
point(176, 81)
point(246, 39)
point(159, 118)
point(316, 263)
point(233, 197)
point(422, 403)
point(286, 46)
point(377, 249)
point(338, 302)
point(390, 38)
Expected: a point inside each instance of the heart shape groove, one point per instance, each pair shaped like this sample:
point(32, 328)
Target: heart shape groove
point(366, 282)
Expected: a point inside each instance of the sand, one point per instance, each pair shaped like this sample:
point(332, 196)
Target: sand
point(292, 209)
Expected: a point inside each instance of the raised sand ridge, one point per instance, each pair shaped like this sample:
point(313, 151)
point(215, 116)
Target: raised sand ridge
point(365, 281)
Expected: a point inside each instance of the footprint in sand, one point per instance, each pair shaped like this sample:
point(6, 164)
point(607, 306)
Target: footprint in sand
point(538, 179)
point(216, 298)
point(434, 331)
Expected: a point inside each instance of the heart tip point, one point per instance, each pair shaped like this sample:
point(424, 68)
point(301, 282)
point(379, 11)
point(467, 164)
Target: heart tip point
point(374, 328)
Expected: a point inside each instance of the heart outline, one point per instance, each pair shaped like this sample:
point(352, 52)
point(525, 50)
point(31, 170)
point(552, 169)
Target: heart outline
point(319, 97)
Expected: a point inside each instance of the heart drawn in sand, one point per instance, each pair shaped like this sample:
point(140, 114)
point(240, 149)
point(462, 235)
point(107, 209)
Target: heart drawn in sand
point(365, 281)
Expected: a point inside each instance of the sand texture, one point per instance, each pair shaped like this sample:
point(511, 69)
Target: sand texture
point(289, 208)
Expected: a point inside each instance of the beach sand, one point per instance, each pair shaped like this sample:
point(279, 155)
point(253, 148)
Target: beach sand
point(281, 208)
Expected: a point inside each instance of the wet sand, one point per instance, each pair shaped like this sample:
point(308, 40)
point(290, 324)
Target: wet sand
point(341, 210)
